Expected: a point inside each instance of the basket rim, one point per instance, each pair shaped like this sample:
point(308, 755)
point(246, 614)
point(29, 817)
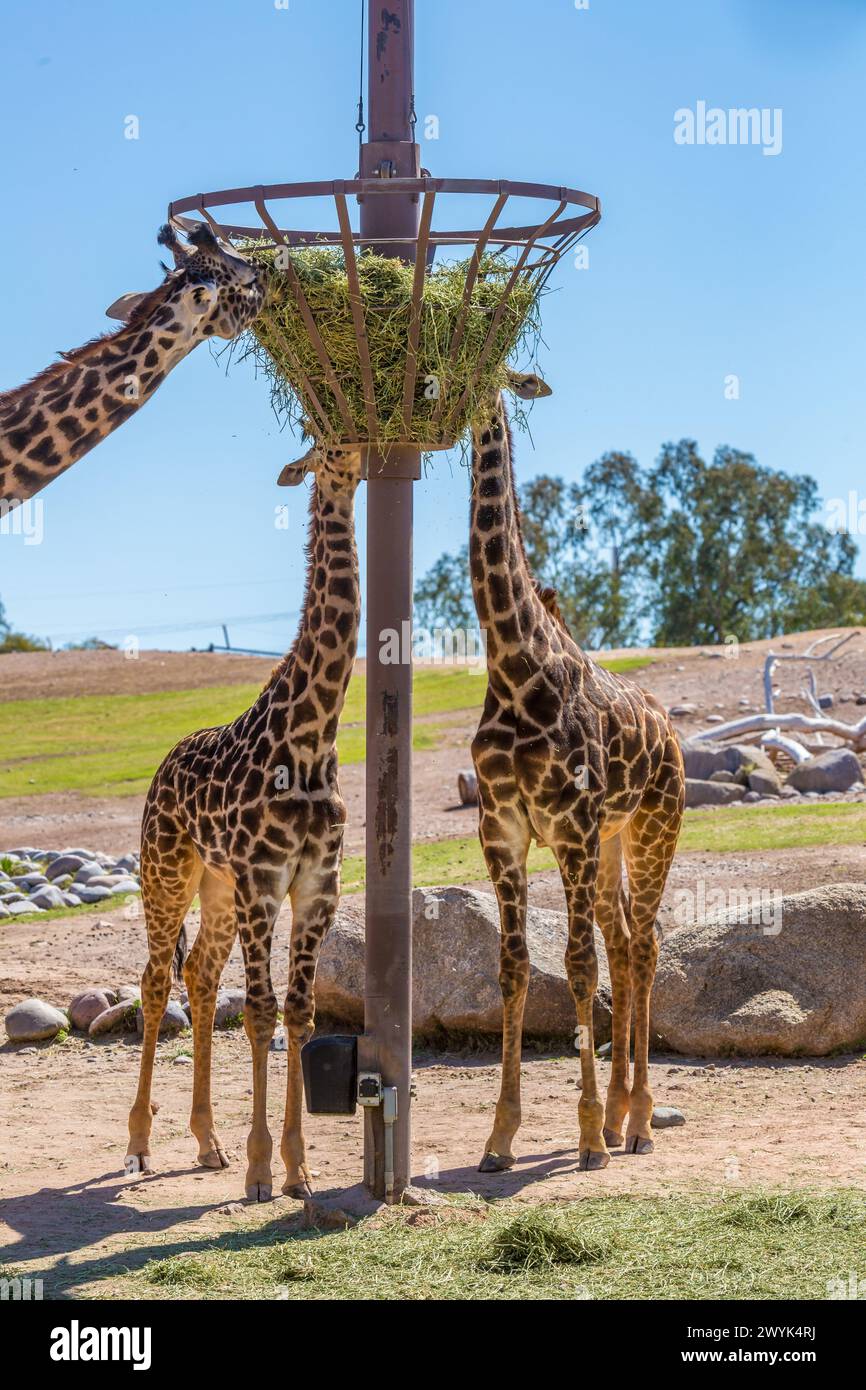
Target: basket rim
point(558, 227)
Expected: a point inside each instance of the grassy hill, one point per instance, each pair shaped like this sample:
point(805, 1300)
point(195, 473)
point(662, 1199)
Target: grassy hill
point(111, 745)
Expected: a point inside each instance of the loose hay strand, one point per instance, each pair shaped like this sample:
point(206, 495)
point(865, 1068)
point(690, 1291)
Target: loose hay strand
point(280, 342)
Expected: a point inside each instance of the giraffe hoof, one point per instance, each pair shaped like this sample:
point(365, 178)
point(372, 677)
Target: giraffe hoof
point(635, 1145)
point(496, 1163)
point(612, 1138)
point(591, 1159)
point(301, 1191)
point(258, 1192)
point(137, 1163)
point(215, 1158)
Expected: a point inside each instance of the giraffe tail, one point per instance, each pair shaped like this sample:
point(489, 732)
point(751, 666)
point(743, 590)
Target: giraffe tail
point(180, 954)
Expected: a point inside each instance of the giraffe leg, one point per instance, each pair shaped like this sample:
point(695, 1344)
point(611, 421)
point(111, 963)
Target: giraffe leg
point(505, 841)
point(168, 886)
point(611, 915)
point(315, 893)
point(201, 974)
point(579, 867)
point(259, 892)
point(649, 841)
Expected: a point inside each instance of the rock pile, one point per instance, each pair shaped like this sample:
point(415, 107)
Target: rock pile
point(720, 773)
point(39, 880)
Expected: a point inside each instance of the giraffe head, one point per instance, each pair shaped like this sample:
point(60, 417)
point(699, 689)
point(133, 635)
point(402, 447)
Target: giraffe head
point(336, 469)
point(212, 291)
point(527, 385)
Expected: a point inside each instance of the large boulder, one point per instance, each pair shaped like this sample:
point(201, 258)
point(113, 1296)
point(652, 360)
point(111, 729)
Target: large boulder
point(455, 945)
point(33, 1020)
point(702, 758)
point(700, 793)
point(833, 771)
point(794, 985)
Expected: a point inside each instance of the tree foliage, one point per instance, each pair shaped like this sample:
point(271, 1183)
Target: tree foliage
point(679, 553)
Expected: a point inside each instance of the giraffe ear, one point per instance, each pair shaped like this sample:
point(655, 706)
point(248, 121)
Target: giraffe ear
point(122, 308)
point(295, 473)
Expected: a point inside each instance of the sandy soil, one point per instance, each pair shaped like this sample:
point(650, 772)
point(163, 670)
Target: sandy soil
point(67, 1211)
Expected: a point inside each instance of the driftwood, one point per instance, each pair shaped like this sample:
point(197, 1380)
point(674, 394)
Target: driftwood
point(855, 734)
point(795, 750)
point(808, 655)
point(770, 724)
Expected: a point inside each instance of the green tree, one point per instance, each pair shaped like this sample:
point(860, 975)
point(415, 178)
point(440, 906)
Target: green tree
point(17, 641)
point(735, 549)
point(443, 598)
point(682, 553)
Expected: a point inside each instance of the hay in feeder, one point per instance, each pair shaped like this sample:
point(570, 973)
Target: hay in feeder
point(280, 341)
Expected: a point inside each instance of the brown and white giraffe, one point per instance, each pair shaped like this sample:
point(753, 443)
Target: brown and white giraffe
point(54, 420)
point(244, 814)
point(585, 762)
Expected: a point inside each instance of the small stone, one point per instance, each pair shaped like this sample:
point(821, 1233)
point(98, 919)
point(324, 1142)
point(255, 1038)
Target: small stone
point(65, 864)
point(679, 711)
point(47, 897)
point(182, 1060)
point(33, 1021)
point(174, 1020)
point(87, 1006)
point(120, 1018)
point(229, 1007)
point(86, 894)
point(86, 872)
point(667, 1117)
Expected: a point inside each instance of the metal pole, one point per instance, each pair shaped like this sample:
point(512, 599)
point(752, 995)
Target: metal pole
point(386, 1046)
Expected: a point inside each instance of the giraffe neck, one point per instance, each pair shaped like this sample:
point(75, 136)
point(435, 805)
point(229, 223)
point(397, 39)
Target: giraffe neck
point(520, 633)
point(53, 420)
point(308, 690)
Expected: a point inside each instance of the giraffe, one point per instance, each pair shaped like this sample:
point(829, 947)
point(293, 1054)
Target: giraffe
point(585, 762)
point(243, 814)
point(54, 420)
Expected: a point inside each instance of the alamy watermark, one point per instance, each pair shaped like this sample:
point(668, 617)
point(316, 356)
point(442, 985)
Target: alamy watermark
point(25, 519)
point(440, 646)
point(738, 125)
point(756, 907)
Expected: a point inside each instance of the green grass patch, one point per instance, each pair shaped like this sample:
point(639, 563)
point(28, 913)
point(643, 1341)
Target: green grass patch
point(442, 862)
point(50, 913)
point(748, 1245)
point(737, 828)
point(459, 860)
point(111, 745)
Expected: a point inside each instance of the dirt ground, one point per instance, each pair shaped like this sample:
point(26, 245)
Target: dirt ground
point(67, 1210)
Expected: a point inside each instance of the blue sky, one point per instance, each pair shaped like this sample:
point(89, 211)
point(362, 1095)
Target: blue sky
point(709, 260)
